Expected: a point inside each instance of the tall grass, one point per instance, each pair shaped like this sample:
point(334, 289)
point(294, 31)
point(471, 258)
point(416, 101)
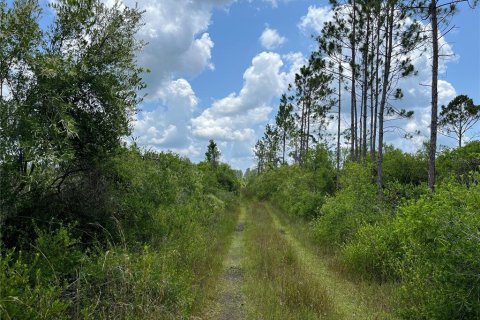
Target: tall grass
point(277, 285)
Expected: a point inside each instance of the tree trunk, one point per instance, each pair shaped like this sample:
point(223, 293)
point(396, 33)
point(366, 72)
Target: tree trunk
point(338, 124)
point(372, 101)
point(309, 108)
point(386, 75)
point(365, 90)
point(300, 154)
point(460, 126)
point(434, 121)
point(353, 100)
point(377, 82)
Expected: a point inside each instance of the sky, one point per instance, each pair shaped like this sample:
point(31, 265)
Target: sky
point(218, 68)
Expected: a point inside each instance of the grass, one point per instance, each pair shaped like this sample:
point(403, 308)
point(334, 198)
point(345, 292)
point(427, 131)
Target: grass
point(277, 284)
point(208, 273)
point(229, 300)
point(353, 298)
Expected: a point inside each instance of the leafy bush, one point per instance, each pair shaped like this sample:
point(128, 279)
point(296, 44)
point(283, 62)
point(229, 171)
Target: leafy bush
point(396, 193)
point(403, 167)
point(300, 191)
point(23, 292)
point(149, 253)
point(440, 237)
point(373, 252)
point(460, 162)
point(355, 205)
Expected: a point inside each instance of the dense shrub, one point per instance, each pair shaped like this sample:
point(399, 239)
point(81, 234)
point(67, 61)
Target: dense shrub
point(24, 293)
point(298, 190)
point(396, 193)
point(440, 237)
point(353, 206)
point(432, 248)
point(147, 256)
point(460, 162)
point(374, 252)
point(403, 167)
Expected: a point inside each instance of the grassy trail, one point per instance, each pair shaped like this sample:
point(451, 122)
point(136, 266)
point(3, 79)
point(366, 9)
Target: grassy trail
point(351, 300)
point(270, 274)
point(230, 302)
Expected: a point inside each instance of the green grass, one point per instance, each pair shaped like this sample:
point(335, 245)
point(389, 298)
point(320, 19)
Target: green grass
point(229, 300)
point(352, 297)
point(278, 285)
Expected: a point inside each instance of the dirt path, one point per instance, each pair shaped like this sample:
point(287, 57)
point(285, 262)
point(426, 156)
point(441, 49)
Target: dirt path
point(230, 302)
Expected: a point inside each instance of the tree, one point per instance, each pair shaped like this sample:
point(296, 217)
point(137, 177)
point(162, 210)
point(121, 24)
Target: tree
point(459, 116)
point(260, 155)
point(285, 122)
point(401, 38)
point(312, 91)
point(271, 140)
point(438, 14)
point(68, 95)
point(213, 154)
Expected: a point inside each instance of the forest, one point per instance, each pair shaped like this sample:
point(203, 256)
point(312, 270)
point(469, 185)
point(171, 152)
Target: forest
point(328, 224)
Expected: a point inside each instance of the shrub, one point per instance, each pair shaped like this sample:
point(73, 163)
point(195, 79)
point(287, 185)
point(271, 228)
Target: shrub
point(440, 270)
point(460, 162)
point(396, 193)
point(355, 205)
point(403, 167)
point(298, 190)
point(373, 252)
point(24, 293)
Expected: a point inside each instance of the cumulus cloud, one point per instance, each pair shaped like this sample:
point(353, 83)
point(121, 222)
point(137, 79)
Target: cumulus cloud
point(231, 118)
point(235, 117)
point(315, 18)
point(178, 42)
point(167, 125)
point(271, 39)
point(178, 46)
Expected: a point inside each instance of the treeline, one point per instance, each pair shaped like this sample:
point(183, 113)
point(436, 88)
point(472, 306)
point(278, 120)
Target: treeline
point(92, 227)
point(363, 52)
point(410, 220)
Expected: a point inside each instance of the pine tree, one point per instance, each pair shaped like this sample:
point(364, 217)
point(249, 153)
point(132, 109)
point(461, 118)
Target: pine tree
point(459, 116)
point(213, 154)
point(285, 122)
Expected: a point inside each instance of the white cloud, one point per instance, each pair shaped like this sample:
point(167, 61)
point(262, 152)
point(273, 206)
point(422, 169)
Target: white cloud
point(315, 18)
point(178, 42)
point(235, 117)
point(271, 39)
point(232, 117)
point(167, 126)
point(178, 46)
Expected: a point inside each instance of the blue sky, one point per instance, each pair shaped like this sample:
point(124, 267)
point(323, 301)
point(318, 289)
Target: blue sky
point(213, 76)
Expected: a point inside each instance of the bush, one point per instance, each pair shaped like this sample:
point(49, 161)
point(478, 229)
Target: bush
point(460, 162)
point(396, 193)
point(299, 191)
point(148, 253)
point(24, 294)
point(440, 270)
point(403, 167)
point(355, 205)
point(374, 252)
